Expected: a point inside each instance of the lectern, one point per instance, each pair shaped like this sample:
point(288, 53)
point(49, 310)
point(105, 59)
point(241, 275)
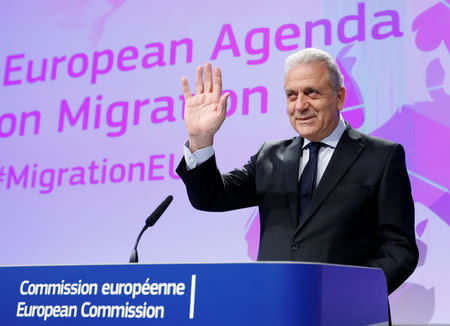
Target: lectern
point(235, 294)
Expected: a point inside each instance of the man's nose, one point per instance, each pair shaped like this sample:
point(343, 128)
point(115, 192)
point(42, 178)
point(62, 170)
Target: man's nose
point(301, 103)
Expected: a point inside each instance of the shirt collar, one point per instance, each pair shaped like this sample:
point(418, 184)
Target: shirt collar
point(332, 139)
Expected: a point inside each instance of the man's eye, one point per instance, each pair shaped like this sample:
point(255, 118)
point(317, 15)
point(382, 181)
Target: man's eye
point(313, 93)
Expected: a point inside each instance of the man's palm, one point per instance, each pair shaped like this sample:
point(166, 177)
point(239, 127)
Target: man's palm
point(206, 110)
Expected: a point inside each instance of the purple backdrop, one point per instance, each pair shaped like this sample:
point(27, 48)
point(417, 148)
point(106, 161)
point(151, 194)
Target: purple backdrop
point(91, 121)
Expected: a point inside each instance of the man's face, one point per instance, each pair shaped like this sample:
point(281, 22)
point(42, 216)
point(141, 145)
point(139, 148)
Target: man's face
point(312, 104)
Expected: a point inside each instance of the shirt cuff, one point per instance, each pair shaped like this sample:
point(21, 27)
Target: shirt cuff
point(198, 157)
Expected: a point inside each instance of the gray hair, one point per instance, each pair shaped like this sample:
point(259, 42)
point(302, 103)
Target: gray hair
point(311, 55)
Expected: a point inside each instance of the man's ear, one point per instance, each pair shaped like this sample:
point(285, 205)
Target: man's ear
point(341, 98)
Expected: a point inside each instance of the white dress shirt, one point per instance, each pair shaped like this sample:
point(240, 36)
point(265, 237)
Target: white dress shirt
point(202, 155)
point(325, 152)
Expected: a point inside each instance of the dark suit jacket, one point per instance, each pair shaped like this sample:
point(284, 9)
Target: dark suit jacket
point(361, 213)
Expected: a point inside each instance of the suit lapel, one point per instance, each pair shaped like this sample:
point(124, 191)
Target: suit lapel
point(347, 150)
point(290, 176)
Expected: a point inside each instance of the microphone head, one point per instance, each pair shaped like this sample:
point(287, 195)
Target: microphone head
point(153, 218)
point(134, 256)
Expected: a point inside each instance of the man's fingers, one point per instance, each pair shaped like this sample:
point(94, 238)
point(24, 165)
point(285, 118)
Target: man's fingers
point(199, 80)
point(185, 87)
point(217, 88)
point(213, 82)
point(208, 78)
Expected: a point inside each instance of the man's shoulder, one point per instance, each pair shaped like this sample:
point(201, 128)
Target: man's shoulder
point(281, 143)
point(371, 141)
point(278, 145)
point(367, 140)
point(275, 148)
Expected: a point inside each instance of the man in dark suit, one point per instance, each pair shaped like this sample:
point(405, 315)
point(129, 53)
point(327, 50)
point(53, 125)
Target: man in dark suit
point(331, 195)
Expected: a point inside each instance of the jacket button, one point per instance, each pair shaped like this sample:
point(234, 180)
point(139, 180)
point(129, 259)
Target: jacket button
point(294, 247)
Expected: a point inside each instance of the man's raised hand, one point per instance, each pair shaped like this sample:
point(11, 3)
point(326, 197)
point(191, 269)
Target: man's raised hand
point(206, 110)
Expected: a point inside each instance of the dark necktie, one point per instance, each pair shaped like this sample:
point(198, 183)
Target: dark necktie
point(307, 182)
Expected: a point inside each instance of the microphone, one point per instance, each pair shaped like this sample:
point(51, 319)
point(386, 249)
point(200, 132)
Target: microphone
point(150, 221)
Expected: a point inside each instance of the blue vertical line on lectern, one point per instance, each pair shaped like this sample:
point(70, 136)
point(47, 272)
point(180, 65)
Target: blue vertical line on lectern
point(192, 303)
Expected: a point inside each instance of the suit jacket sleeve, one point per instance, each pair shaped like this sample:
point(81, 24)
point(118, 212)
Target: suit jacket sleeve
point(208, 190)
point(396, 253)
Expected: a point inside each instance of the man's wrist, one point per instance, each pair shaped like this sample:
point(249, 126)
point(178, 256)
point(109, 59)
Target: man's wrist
point(199, 157)
point(196, 143)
